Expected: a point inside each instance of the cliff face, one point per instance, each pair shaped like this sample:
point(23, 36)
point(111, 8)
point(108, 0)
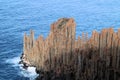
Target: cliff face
point(84, 58)
point(59, 40)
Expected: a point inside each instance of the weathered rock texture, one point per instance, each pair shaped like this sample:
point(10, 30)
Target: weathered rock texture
point(67, 58)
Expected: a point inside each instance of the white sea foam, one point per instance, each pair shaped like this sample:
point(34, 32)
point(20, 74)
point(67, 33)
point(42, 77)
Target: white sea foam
point(29, 72)
point(14, 61)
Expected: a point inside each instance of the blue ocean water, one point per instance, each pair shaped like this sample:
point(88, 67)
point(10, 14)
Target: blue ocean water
point(19, 16)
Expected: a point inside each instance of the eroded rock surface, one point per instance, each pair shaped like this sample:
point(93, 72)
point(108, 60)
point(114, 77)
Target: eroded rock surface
point(61, 36)
point(61, 56)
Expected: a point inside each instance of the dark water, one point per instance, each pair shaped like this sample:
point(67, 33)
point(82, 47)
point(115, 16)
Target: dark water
point(19, 16)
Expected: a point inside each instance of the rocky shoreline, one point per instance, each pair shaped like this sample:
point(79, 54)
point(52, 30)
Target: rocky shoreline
point(51, 75)
point(46, 75)
point(61, 56)
point(25, 64)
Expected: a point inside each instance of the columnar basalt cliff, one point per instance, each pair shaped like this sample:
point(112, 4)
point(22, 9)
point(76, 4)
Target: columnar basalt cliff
point(61, 56)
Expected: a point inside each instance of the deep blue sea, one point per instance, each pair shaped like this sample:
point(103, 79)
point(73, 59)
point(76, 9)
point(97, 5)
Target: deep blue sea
point(19, 16)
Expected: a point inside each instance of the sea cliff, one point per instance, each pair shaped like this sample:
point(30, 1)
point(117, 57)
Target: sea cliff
point(60, 56)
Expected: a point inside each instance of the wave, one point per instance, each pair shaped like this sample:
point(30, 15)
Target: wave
point(14, 61)
point(29, 72)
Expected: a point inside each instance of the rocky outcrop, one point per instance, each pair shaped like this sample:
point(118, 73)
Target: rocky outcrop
point(62, 56)
point(62, 36)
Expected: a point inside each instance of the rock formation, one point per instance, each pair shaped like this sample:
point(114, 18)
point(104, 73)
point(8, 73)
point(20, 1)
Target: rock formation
point(61, 56)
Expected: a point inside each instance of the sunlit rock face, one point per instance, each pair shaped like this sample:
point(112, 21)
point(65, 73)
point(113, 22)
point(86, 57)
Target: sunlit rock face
point(62, 54)
point(59, 40)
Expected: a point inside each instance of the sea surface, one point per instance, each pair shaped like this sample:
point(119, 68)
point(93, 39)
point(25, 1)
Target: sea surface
point(19, 16)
